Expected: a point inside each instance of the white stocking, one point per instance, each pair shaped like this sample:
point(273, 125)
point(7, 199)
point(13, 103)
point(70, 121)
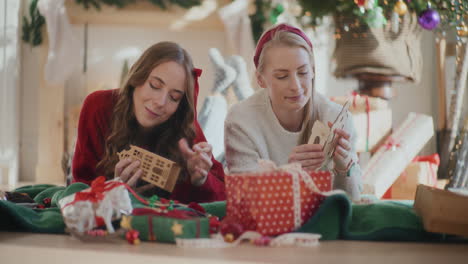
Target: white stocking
point(64, 51)
point(224, 74)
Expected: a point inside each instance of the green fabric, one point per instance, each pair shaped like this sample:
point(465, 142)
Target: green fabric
point(215, 208)
point(33, 190)
point(19, 218)
point(162, 228)
point(336, 218)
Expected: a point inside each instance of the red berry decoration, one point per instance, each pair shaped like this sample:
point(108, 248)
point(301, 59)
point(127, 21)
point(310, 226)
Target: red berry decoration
point(228, 226)
point(360, 2)
point(47, 202)
point(214, 225)
point(132, 237)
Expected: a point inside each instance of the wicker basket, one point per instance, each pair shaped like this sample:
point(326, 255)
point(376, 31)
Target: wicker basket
point(379, 50)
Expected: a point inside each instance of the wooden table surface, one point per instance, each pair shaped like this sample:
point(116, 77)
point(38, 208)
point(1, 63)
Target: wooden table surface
point(48, 248)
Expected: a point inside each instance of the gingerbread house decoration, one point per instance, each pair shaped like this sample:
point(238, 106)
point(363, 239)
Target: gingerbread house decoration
point(157, 170)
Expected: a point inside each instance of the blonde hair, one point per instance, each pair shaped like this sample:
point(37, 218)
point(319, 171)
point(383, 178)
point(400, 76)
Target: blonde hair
point(289, 39)
point(124, 124)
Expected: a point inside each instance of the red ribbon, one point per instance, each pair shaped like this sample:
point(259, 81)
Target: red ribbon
point(179, 214)
point(98, 187)
point(434, 159)
point(391, 143)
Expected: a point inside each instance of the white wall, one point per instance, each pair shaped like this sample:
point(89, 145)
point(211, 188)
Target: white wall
point(9, 90)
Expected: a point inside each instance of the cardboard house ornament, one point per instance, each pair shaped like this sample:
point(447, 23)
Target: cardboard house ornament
point(157, 170)
point(326, 137)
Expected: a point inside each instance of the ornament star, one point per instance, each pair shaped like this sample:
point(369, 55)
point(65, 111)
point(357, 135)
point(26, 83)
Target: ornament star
point(126, 222)
point(177, 228)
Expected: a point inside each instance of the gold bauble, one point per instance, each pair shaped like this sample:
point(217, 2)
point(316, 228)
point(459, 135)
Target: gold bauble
point(400, 8)
point(462, 30)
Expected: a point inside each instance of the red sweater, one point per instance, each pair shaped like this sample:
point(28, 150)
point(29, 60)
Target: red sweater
point(93, 129)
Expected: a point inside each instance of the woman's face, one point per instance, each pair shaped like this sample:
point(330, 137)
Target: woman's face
point(158, 98)
point(288, 75)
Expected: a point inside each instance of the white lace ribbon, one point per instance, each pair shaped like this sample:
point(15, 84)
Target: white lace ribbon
point(217, 241)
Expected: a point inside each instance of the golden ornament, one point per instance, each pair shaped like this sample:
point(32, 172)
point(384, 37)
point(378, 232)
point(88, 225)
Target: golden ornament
point(126, 222)
point(229, 238)
point(462, 30)
point(177, 229)
point(400, 8)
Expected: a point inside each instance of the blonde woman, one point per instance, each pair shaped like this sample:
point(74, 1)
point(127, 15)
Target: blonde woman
point(275, 123)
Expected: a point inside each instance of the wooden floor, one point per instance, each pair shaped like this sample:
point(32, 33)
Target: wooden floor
point(47, 248)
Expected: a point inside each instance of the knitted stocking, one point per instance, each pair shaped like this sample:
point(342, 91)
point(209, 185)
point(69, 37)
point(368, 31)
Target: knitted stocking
point(64, 51)
point(224, 74)
point(211, 119)
point(242, 87)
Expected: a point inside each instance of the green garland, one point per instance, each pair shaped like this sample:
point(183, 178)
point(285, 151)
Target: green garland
point(258, 19)
point(32, 28)
point(453, 13)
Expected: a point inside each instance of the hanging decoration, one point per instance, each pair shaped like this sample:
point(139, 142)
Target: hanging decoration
point(429, 19)
point(400, 8)
point(431, 13)
point(32, 27)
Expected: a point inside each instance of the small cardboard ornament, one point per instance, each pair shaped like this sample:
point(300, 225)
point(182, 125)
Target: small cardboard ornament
point(326, 137)
point(157, 170)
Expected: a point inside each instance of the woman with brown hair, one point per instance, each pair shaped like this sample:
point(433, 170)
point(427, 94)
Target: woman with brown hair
point(281, 114)
point(155, 109)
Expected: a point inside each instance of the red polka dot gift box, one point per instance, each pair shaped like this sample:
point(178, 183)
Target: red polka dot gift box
point(277, 201)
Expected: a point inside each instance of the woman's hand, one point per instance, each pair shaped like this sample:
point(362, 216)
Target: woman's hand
point(129, 171)
point(341, 155)
point(198, 160)
point(310, 156)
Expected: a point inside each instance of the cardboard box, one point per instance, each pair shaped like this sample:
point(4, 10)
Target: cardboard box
point(404, 188)
point(379, 125)
point(442, 211)
point(372, 119)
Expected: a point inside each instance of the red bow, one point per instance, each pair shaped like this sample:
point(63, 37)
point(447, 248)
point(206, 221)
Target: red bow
point(391, 144)
point(96, 194)
point(434, 159)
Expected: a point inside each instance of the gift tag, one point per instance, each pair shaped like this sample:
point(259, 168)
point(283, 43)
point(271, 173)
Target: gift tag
point(319, 134)
point(156, 170)
point(332, 139)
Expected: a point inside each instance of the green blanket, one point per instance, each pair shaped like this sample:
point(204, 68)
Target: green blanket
point(337, 217)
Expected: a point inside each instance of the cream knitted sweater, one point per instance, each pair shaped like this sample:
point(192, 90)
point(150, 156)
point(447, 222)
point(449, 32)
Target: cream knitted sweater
point(253, 132)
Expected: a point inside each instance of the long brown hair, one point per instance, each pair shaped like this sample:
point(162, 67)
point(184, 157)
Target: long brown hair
point(285, 38)
point(165, 136)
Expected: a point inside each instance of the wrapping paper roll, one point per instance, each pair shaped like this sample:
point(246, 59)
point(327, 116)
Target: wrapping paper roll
point(396, 153)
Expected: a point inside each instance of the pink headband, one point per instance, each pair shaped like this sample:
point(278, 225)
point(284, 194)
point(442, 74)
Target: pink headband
point(269, 35)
